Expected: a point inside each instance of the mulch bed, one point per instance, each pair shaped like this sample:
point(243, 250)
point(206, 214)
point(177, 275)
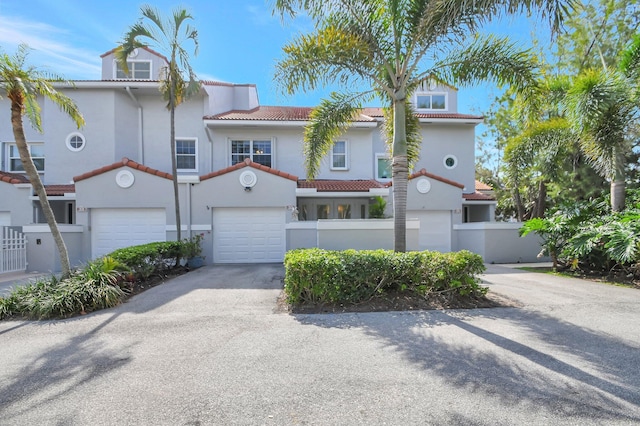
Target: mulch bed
point(398, 301)
point(137, 287)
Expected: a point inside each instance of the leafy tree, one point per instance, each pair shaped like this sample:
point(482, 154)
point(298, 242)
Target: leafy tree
point(177, 79)
point(596, 31)
point(22, 85)
point(391, 46)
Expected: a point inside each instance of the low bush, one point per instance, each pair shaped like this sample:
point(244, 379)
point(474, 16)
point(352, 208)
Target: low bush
point(102, 283)
point(96, 286)
point(316, 276)
point(152, 258)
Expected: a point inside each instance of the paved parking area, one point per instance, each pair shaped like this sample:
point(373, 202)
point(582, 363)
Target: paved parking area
point(208, 348)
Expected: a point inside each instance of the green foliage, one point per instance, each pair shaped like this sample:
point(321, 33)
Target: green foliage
point(192, 247)
point(587, 236)
point(317, 276)
point(152, 258)
point(376, 210)
point(98, 285)
point(94, 287)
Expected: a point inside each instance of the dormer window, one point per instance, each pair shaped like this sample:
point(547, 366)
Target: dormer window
point(138, 70)
point(431, 101)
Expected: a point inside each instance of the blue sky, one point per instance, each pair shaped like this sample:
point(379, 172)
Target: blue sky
point(240, 40)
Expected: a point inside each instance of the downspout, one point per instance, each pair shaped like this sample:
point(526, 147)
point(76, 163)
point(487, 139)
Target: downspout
point(189, 185)
point(140, 131)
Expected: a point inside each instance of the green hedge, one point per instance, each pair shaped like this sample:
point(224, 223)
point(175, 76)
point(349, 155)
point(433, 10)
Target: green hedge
point(152, 258)
point(316, 276)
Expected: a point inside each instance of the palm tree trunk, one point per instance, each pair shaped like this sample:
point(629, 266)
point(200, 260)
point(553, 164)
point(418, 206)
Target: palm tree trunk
point(174, 166)
point(400, 173)
point(38, 187)
point(517, 198)
point(541, 202)
point(618, 184)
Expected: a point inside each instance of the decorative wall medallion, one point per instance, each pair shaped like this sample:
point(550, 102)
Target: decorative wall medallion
point(423, 185)
point(248, 179)
point(125, 178)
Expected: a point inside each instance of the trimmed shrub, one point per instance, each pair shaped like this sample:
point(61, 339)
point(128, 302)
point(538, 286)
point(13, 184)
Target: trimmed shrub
point(317, 276)
point(152, 258)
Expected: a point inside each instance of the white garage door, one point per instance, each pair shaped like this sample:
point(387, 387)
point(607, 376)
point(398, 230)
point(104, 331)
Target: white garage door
point(248, 235)
point(435, 230)
point(112, 229)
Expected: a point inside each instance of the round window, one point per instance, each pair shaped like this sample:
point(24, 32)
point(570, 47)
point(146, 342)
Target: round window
point(75, 142)
point(450, 161)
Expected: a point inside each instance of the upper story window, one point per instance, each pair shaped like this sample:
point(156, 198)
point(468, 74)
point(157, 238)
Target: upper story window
point(340, 156)
point(258, 151)
point(138, 70)
point(187, 154)
point(383, 167)
point(431, 101)
point(37, 155)
point(75, 142)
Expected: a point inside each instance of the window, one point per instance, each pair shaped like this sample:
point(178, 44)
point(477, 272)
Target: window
point(187, 154)
point(383, 167)
point(37, 155)
point(339, 158)
point(258, 151)
point(431, 101)
point(450, 161)
point(75, 142)
point(138, 70)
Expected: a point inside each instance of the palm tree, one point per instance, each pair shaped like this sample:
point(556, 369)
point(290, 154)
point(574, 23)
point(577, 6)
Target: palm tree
point(22, 85)
point(390, 47)
point(602, 105)
point(178, 81)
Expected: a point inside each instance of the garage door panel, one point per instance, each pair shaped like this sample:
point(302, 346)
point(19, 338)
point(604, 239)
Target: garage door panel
point(249, 235)
point(117, 228)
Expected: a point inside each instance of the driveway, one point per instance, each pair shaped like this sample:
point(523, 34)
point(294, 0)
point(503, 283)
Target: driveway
point(208, 348)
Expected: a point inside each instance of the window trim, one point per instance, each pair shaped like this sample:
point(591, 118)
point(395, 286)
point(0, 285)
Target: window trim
point(381, 156)
point(72, 135)
point(455, 161)
point(345, 154)
point(195, 155)
point(132, 69)
point(9, 158)
point(251, 141)
point(446, 101)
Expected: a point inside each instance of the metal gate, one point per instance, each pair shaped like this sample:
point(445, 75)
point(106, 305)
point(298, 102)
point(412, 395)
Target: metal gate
point(13, 253)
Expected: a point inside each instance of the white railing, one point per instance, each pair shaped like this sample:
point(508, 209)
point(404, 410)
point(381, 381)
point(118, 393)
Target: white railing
point(13, 251)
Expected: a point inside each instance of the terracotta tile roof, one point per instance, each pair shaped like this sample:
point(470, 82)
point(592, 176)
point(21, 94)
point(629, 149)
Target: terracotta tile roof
point(476, 196)
point(125, 162)
point(12, 178)
point(224, 83)
point(325, 185)
point(481, 186)
point(59, 190)
point(249, 163)
point(274, 113)
point(378, 113)
point(423, 172)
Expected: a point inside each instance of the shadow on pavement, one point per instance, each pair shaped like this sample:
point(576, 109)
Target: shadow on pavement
point(473, 350)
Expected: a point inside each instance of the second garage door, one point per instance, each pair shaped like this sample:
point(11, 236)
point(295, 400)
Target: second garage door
point(248, 235)
point(112, 229)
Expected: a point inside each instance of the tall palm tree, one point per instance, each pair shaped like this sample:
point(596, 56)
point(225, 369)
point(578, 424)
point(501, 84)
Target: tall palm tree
point(178, 80)
point(602, 105)
point(390, 47)
point(22, 85)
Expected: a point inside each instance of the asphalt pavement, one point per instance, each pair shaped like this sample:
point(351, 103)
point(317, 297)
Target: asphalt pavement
point(210, 348)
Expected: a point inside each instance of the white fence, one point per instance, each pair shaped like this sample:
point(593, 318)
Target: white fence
point(13, 251)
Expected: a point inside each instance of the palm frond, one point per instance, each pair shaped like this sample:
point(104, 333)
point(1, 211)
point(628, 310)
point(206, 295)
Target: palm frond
point(327, 122)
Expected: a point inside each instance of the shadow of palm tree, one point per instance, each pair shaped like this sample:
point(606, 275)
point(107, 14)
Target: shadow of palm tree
point(60, 369)
point(556, 366)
